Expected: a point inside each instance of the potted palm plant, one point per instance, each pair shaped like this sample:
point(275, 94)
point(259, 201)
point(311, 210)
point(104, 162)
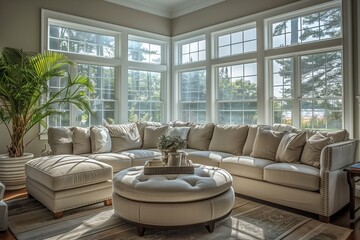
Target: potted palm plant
point(26, 101)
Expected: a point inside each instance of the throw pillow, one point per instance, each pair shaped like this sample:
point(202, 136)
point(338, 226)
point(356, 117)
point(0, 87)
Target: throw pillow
point(229, 138)
point(250, 139)
point(312, 149)
point(200, 136)
point(266, 144)
point(81, 140)
point(178, 131)
point(337, 136)
point(60, 140)
point(152, 134)
point(291, 147)
point(100, 139)
point(142, 125)
point(124, 137)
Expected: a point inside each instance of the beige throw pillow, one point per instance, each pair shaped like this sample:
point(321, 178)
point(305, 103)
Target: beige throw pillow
point(81, 140)
point(200, 136)
point(266, 144)
point(100, 139)
point(229, 138)
point(152, 134)
point(312, 149)
point(250, 139)
point(291, 147)
point(337, 136)
point(124, 137)
point(60, 140)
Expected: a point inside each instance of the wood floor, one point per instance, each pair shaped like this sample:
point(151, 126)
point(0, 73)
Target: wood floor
point(339, 219)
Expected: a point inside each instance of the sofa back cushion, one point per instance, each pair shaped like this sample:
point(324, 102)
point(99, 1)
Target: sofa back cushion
point(229, 138)
point(266, 144)
point(199, 136)
point(81, 140)
point(291, 147)
point(100, 139)
point(124, 137)
point(60, 140)
point(312, 149)
point(250, 139)
point(152, 134)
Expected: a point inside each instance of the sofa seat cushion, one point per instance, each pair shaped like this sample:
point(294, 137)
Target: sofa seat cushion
point(62, 172)
point(140, 156)
point(117, 161)
point(210, 158)
point(245, 166)
point(293, 175)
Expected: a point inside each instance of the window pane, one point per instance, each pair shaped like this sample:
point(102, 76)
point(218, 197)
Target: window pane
point(192, 52)
point(71, 40)
point(312, 27)
point(144, 52)
point(321, 90)
point(193, 96)
point(144, 96)
point(237, 94)
point(103, 97)
point(238, 42)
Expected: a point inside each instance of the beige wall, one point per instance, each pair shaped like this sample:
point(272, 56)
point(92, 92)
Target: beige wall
point(20, 19)
point(20, 27)
point(222, 12)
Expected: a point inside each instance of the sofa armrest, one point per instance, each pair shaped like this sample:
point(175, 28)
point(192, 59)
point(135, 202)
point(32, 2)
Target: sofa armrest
point(337, 156)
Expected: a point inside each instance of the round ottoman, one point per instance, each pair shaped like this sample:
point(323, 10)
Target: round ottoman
point(174, 200)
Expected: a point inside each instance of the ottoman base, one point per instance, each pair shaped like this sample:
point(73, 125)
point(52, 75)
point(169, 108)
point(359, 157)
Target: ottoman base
point(173, 215)
point(60, 201)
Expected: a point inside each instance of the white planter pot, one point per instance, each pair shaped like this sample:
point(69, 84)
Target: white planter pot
point(12, 170)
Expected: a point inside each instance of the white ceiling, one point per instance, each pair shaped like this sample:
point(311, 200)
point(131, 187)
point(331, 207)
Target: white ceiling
point(166, 8)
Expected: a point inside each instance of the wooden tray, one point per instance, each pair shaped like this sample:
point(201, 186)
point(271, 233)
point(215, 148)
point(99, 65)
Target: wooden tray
point(157, 168)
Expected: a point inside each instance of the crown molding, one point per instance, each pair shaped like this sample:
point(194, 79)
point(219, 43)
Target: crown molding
point(168, 10)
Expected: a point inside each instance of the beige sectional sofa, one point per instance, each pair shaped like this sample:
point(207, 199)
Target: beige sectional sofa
point(279, 163)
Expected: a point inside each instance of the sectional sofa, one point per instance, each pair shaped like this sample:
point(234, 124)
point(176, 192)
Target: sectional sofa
point(278, 163)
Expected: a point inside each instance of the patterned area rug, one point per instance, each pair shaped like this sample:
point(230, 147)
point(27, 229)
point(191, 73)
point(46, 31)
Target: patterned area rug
point(28, 219)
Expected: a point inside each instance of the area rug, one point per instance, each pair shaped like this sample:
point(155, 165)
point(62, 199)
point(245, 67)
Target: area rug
point(28, 219)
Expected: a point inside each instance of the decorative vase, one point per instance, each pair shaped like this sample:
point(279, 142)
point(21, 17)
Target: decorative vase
point(165, 154)
point(174, 159)
point(12, 170)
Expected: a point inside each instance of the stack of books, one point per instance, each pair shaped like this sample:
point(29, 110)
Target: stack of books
point(355, 167)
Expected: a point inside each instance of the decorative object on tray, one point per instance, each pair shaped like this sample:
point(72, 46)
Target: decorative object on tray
point(154, 167)
point(169, 144)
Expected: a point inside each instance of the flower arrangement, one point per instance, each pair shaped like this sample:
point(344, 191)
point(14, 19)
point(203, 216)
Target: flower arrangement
point(170, 143)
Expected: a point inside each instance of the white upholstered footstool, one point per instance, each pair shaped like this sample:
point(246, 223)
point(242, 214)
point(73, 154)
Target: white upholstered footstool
point(174, 200)
point(63, 182)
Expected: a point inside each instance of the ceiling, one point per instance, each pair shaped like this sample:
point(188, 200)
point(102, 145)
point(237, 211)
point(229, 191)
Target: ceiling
point(167, 8)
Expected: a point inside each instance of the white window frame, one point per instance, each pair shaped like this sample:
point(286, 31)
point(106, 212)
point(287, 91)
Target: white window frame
point(120, 61)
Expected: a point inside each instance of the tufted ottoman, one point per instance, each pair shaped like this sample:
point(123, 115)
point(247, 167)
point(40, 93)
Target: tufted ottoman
point(173, 200)
point(63, 182)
